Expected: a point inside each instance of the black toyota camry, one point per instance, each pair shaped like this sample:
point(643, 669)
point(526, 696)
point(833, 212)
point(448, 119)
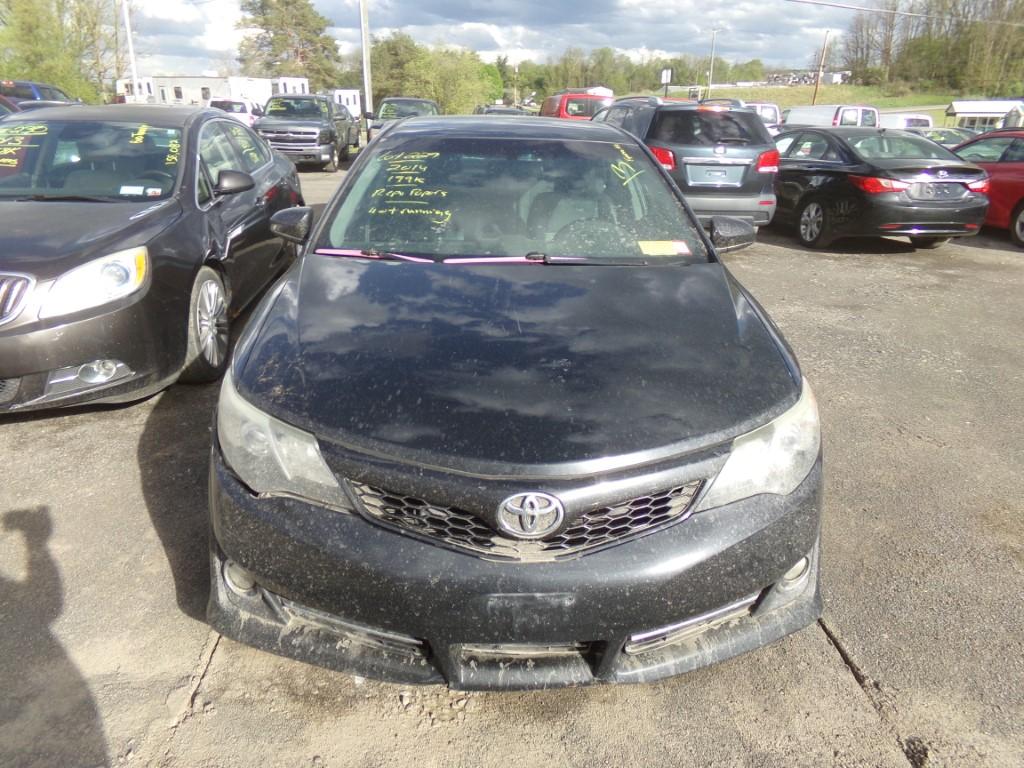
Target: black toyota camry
point(129, 236)
point(509, 422)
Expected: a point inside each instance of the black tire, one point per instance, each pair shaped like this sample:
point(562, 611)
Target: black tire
point(929, 243)
point(1017, 225)
point(343, 153)
point(812, 224)
point(209, 330)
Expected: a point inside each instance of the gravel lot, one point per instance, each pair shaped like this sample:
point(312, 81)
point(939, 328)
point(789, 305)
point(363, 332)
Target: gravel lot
point(918, 363)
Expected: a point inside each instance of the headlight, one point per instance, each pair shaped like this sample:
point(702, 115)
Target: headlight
point(325, 137)
point(98, 282)
point(774, 458)
point(272, 457)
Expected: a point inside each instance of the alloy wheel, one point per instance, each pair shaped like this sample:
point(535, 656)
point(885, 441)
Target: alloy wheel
point(212, 323)
point(812, 219)
point(1018, 225)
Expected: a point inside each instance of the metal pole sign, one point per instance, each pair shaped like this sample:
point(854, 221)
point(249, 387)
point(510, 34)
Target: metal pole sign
point(666, 78)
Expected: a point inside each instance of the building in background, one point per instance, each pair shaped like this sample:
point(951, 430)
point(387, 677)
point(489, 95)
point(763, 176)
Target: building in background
point(199, 90)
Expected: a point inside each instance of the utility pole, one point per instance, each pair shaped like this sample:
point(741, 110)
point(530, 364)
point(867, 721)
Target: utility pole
point(131, 51)
point(364, 27)
point(711, 66)
point(821, 68)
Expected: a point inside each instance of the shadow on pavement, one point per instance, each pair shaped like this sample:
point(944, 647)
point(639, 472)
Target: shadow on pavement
point(173, 453)
point(47, 713)
point(784, 237)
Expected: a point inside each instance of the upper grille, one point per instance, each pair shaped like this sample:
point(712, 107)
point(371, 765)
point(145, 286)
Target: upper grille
point(13, 291)
point(463, 530)
point(289, 140)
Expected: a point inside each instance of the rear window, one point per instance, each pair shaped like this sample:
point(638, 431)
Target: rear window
point(577, 106)
point(15, 91)
point(705, 127)
point(237, 107)
point(883, 147)
point(437, 198)
point(918, 122)
point(393, 110)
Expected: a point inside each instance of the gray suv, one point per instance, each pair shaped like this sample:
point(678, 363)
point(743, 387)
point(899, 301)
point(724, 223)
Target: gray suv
point(717, 151)
point(309, 129)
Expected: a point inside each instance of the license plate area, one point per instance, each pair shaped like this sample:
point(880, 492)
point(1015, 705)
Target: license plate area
point(715, 175)
point(937, 190)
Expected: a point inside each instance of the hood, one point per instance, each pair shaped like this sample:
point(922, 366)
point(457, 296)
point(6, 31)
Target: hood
point(284, 123)
point(490, 367)
point(45, 239)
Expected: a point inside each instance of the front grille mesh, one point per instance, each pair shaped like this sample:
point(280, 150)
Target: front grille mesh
point(8, 389)
point(463, 530)
point(13, 290)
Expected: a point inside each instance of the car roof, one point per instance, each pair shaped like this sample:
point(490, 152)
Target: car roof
point(498, 126)
point(174, 116)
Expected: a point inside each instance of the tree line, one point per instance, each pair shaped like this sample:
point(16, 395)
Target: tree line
point(954, 44)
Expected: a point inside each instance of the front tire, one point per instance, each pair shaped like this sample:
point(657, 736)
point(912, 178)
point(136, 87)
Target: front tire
point(208, 330)
point(812, 225)
point(928, 243)
point(343, 153)
point(1017, 225)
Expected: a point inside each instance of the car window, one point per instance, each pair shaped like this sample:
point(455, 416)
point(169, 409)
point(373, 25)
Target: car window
point(783, 143)
point(237, 107)
point(253, 152)
point(102, 159)
point(986, 150)
point(579, 106)
point(393, 110)
point(446, 197)
point(217, 151)
point(301, 109)
point(1015, 154)
point(868, 118)
point(882, 146)
point(812, 146)
point(707, 127)
point(204, 193)
point(15, 91)
point(617, 115)
point(343, 112)
point(849, 117)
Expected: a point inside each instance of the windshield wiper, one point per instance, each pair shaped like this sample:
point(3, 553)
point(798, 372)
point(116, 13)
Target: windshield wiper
point(370, 253)
point(66, 198)
point(616, 261)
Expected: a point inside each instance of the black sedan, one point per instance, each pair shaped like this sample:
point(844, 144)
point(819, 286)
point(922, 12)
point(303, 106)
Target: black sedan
point(510, 423)
point(855, 182)
point(129, 236)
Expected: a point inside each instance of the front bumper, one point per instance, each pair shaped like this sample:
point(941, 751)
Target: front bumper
point(304, 153)
point(336, 590)
point(133, 334)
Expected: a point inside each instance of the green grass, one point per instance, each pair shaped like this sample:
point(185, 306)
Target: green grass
point(877, 96)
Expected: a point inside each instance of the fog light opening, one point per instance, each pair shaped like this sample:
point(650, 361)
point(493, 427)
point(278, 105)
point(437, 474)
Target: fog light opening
point(797, 572)
point(98, 371)
point(239, 580)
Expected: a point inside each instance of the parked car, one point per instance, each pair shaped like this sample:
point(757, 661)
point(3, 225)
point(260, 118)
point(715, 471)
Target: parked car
point(244, 111)
point(718, 152)
point(1001, 154)
point(947, 137)
point(574, 105)
point(830, 115)
point(309, 129)
point(26, 90)
point(857, 182)
point(530, 434)
point(397, 108)
point(129, 237)
point(767, 111)
point(904, 120)
point(7, 106)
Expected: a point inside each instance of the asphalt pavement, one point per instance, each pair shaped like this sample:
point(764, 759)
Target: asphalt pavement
point(918, 365)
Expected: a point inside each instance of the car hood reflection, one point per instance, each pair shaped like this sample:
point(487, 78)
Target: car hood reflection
point(491, 367)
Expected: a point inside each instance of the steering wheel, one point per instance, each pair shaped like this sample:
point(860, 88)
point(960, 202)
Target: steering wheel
point(600, 235)
point(157, 176)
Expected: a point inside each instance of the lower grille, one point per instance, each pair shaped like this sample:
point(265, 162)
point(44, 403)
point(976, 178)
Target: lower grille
point(462, 530)
point(8, 389)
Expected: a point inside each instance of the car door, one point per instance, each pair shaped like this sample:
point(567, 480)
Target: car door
point(338, 119)
point(1003, 158)
point(351, 130)
point(250, 249)
point(810, 162)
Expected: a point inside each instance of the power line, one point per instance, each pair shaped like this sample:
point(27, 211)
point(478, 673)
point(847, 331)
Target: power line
point(914, 14)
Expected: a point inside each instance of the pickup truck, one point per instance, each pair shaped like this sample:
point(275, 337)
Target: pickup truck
point(309, 129)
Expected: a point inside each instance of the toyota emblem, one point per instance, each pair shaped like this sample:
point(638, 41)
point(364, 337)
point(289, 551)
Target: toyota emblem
point(530, 515)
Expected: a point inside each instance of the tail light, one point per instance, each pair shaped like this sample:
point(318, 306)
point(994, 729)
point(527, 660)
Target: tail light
point(876, 185)
point(666, 157)
point(768, 162)
point(981, 186)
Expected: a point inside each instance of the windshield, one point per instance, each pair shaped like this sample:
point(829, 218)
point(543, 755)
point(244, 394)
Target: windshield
point(393, 110)
point(438, 198)
point(583, 106)
point(886, 147)
point(237, 107)
point(111, 160)
point(282, 106)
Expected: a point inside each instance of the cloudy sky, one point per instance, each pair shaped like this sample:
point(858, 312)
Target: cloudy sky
point(188, 37)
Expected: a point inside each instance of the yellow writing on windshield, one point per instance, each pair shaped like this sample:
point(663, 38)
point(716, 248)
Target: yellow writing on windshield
point(407, 189)
point(437, 215)
point(27, 129)
point(173, 152)
point(140, 135)
point(14, 140)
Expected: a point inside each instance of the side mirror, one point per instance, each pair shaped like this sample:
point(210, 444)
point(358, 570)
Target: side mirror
point(233, 182)
point(729, 233)
point(292, 224)
point(369, 115)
